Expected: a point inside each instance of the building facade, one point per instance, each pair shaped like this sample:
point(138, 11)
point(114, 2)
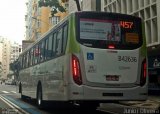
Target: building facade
point(1, 67)
point(28, 20)
point(16, 49)
point(9, 52)
point(149, 11)
point(39, 19)
point(5, 57)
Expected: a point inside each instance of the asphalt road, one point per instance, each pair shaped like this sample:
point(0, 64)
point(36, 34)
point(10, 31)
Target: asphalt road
point(9, 93)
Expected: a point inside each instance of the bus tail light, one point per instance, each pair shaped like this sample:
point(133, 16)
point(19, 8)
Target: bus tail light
point(76, 71)
point(111, 46)
point(143, 73)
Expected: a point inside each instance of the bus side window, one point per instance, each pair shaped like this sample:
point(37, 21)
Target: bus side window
point(39, 57)
point(33, 55)
point(46, 48)
point(65, 37)
point(49, 55)
point(54, 45)
point(31, 63)
point(20, 62)
point(24, 62)
point(36, 54)
point(27, 59)
point(39, 52)
point(59, 42)
point(42, 51)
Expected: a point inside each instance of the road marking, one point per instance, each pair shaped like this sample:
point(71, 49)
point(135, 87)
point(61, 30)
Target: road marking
point(5, 91)
point(16, 108)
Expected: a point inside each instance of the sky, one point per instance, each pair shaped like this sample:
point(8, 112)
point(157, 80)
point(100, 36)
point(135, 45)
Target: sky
point(12, 19)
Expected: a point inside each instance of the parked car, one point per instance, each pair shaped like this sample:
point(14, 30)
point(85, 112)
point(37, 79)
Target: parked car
point(9, 82)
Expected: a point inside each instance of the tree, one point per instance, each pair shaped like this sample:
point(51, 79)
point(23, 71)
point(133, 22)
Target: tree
point(78, 5)
point(15, 68)
point(55, 5)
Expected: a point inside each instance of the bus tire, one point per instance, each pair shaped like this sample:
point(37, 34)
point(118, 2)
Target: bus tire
point(39, 99)
point(20, 88)
point(20, 91)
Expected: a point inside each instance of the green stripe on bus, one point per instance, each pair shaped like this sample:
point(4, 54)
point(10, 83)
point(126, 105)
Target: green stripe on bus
point(72, 44)
point(144, 48)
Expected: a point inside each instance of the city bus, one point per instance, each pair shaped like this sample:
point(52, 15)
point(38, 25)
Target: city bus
point(86, 59)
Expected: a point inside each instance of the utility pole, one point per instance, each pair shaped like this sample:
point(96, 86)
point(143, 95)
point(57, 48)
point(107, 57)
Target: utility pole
point(98, 5)
point(78, 5)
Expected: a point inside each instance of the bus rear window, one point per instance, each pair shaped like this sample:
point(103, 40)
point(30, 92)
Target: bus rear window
point(99, 33)
point(100, 30)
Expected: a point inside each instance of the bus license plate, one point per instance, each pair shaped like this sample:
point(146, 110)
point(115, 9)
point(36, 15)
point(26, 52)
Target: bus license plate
point(112, 77)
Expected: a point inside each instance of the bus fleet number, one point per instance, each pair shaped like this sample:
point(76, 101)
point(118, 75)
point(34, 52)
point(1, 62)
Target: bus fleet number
point(127, 59)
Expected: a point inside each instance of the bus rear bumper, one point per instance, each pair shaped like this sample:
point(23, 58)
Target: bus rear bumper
point(113, 94)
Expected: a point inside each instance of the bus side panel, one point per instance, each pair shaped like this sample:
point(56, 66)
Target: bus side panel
point(55, 79)
point(24, 77)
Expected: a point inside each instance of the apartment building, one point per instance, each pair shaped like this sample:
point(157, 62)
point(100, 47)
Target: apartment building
point(16, 49)
point(1, 69)
point(9, 52)
point(39, 19)
point(149, 11)
point(5, 57)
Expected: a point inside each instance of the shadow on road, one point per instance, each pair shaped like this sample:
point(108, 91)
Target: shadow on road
point(52, 108)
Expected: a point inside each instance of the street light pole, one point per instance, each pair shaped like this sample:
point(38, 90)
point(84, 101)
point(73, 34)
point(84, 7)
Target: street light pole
point(78, 5)
point(98, 5)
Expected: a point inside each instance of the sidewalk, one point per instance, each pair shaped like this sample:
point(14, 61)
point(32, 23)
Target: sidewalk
point(150, 105)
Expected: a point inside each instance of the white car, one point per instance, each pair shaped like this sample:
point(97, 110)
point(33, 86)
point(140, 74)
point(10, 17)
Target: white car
point(9, 82)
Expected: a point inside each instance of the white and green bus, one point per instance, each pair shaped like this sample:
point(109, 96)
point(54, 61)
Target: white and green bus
point(86, 59)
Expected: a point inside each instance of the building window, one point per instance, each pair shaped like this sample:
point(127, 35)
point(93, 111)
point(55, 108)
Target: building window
point(54, 20)
point(66, 5)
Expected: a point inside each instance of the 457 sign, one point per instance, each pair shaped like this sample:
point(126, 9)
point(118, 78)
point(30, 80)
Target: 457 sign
point(127, 58)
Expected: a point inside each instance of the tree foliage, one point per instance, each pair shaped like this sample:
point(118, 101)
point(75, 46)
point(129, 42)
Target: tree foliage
point(54, 4)
point(15, 67)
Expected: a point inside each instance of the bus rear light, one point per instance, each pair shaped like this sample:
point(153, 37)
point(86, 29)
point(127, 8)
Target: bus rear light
point(76, 71)
point(143, 73)
point(144, 69)
point(111, 46)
